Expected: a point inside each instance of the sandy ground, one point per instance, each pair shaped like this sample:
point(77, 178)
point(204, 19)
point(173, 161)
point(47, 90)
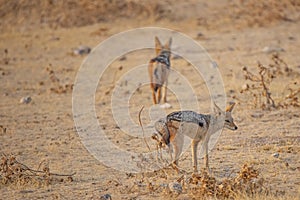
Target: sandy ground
point(40, 63)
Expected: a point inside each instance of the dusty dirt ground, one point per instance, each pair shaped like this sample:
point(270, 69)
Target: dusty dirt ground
point(37, 42)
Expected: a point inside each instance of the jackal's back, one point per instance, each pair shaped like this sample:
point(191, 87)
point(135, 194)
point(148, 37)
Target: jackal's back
point(189, 117)
point(161, 69)
point(160, 75)
point(187, 123)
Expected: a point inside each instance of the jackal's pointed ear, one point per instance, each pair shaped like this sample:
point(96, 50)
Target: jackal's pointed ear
point(230, 107)
point(216, 109)
point(158, 45)
point(168, 44)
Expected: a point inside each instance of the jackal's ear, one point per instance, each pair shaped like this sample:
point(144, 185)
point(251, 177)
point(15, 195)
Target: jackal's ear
point(230, 107)
point(216, 109)
point(158, 45)
point(168, 44)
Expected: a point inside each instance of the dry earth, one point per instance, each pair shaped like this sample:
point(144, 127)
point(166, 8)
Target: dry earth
point(37, 60)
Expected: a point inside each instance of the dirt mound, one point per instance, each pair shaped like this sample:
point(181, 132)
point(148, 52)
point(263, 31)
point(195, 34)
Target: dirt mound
point(70, 13)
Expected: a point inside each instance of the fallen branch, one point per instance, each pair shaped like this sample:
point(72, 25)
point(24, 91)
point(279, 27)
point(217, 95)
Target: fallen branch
point(13, 171)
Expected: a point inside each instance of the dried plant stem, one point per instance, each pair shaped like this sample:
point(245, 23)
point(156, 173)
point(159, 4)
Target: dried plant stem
point(140, 121)
point(267, 93)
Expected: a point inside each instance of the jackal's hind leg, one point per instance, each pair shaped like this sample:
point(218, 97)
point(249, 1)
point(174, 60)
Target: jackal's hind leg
point(165, 91)
point(165, 105)
point(158, 95)
point(153, 96)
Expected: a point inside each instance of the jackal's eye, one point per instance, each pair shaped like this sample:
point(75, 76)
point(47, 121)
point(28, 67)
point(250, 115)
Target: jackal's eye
point(227, 121)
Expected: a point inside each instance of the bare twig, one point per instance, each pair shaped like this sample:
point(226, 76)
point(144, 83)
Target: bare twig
point(140, 121)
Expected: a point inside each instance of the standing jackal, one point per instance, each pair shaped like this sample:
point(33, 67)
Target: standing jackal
point(159, 68)
point(197, 126)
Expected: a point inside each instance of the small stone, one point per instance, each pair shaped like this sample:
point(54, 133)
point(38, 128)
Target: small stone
point(275, 155)
point(200, 35)
point(175, 187)
point(166, 105)
point(245, 87)
point(230, 48)
point(214, 64)
point(25, 100)
point(122, 58)
point(231, 91)
point(81, 50)
point(106, 197)
point(272, 49)
point(257, 114)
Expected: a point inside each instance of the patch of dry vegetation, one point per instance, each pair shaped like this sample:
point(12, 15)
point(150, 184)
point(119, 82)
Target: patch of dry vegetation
point(13, 172)
point(247, 183)
point(253, 13)
point(70, 13)
point(259, 84)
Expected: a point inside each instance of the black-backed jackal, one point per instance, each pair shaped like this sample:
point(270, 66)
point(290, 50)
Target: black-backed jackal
point(199, 127)
point(159, 69)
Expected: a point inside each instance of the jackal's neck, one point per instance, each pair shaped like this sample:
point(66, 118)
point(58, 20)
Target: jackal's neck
point(207, 118)
point(215, 123)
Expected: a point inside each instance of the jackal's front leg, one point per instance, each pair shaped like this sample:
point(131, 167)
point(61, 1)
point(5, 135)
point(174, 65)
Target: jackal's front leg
point(205, 146)
point(194, 154)
point(178, 145)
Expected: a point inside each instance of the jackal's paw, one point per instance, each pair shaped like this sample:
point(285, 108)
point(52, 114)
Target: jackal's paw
point(166, 105)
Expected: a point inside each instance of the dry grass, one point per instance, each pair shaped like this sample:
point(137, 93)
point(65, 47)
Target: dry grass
point(258, 85)
point(70, 13)
point(246, 184)
point(13, 172)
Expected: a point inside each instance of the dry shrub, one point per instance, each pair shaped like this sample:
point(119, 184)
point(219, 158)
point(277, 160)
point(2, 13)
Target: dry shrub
point(13, 172)
point(291, 97)
point(258, 85)
point(246, 183)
